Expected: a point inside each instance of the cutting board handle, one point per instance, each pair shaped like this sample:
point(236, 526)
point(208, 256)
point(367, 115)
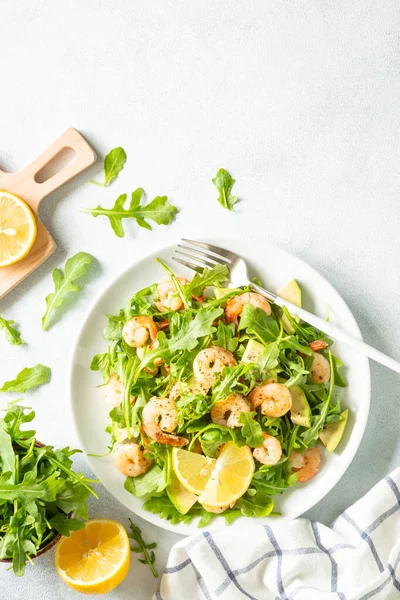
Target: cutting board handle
point(27, 184)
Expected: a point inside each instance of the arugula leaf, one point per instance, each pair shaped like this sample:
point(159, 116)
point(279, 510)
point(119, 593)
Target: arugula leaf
point(158, 210)
point(100, 362)
point(256, 321)
point(269, 358)
point(29, 488)
point(212, 435)
point(212, 439)
point(258, 505)
point(13, 336)
point(153, 481)
point(113, 164)
point(226, 336)
point(142, 547)
point(28, 378)
point(7, 454)
point(64, 525)
point(208, 277)
point(191, 330)
point(251, 430)
point(224, 184)
point(73, 497)
point(75, 267)
point(163, 507)
point(339, 379)
point(113, 330)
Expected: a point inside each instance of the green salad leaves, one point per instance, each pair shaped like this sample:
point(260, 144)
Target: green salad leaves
point(64, 283)
point(261, 351)
point(113, 164)
point(158, 210)
point(39, 491)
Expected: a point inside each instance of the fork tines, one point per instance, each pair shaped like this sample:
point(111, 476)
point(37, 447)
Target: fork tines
point(208, 256)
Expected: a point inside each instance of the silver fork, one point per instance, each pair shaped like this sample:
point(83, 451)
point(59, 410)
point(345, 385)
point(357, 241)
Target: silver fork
point(206, 255)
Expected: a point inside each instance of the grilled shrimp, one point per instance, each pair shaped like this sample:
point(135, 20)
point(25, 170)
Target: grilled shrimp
point(306, 464)
point(234, 306)
point(138, 330)
point(167, 296)
point(114, 391)
point(130, 460)
point(270, 452)
point(320, 369)
point(209, 361)
point(160, 419)
point(274, 399)
point(227, 412)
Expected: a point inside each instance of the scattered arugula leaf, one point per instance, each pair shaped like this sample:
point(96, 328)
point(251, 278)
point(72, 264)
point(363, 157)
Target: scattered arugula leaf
point(27, 379)
point(142, 547)
point(224, 184)
point(251, 429)
point(75, 267)
point(13, 336)
point(158, 210)
point(113, 164)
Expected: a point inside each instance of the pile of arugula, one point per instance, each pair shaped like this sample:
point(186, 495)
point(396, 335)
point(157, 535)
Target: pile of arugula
point(199, 325)
point(40, 495)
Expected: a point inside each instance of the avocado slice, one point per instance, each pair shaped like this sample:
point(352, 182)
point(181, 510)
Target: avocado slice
point(253, 351)
point(332, 433)
point(179, 496)
point(300, 412)
point(292, 293)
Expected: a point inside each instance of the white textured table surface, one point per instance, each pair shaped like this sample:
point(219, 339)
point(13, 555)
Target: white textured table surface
point(299, 100)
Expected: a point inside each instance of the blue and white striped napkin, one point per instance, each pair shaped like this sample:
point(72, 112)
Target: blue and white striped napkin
point(357, 558)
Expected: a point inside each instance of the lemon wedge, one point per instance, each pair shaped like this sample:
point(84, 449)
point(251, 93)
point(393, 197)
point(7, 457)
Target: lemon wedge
point(193, 470)
point(94, 560)
point(230, 477)
point(17, 229)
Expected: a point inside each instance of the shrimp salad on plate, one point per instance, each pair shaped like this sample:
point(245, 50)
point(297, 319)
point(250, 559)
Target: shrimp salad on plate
point(218, 400)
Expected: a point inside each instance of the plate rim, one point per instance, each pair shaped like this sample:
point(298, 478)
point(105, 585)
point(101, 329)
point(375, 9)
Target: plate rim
point(218, 522)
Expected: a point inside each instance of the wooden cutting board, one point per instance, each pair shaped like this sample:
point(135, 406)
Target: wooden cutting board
point(32, 185)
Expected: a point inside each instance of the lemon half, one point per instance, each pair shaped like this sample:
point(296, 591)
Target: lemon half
point(96, 559)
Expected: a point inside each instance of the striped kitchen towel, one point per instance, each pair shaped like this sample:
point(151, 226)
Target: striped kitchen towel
point(357, 558)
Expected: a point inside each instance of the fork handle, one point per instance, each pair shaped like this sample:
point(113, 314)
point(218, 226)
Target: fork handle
point(332, 330)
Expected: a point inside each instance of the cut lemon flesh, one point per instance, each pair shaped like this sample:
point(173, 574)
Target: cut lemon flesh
point(230, 478)
point(17, 229)
point(193, 470)
point(94, 560)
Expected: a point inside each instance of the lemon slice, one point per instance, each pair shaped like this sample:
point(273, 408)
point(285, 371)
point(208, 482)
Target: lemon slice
point(94, 560)
point(230, 478)
point(193, 470)
point(17, 229)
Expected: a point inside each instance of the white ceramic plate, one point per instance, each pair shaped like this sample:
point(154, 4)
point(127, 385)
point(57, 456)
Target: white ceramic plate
point(275, 268)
